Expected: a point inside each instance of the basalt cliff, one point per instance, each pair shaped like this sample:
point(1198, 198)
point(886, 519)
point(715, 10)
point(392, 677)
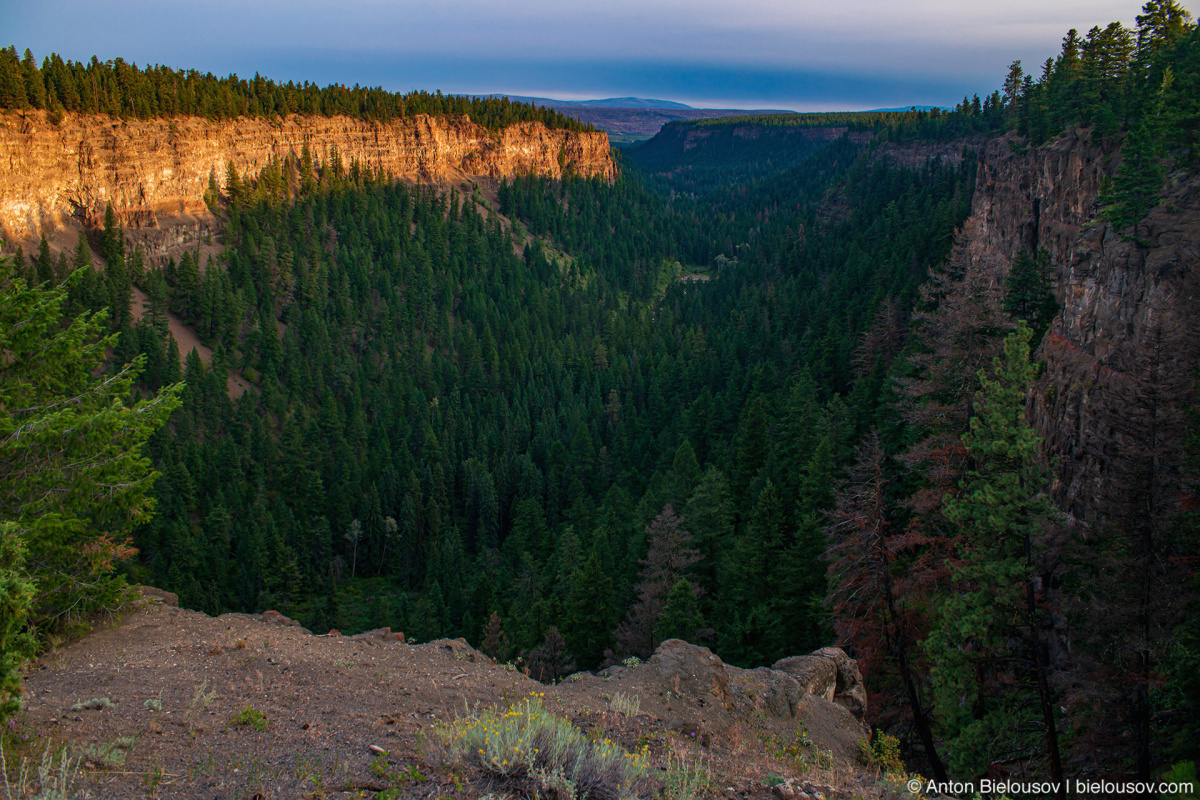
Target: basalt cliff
point(1121, 356)
point(152, 171)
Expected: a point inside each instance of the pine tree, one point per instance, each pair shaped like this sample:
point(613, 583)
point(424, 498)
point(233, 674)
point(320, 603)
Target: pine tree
point(44, 265)
point(73, 479)
point(988, 708)
point(12, 82)
point(588, 615)
point(1140, 177)
point(16, 603)
point(681, 617)
point(35, 90)
point(1162, 22)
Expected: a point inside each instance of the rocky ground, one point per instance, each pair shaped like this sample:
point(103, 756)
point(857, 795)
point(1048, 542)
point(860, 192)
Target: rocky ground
point(171, 703)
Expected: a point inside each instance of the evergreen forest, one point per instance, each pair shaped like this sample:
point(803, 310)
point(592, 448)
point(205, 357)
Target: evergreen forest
point(125, 91)
point(754, 402)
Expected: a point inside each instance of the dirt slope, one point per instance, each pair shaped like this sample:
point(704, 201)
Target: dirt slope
point(179, 696)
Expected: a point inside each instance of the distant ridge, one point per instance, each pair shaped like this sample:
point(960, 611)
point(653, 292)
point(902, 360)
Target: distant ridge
point(903, 108)
point(631, 119)
point(611, 102)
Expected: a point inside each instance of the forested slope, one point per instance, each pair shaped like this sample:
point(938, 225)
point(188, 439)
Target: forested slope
point(529, 431)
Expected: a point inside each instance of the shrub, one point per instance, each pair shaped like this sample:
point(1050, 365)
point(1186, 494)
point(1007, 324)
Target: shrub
point(16, 598)
point(882, 751)
point(688, 776)
point(95, 704)
point(250, 717)
point(532, 752)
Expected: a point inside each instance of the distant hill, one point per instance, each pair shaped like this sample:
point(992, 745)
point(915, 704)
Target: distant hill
point(697, 156)
point(610, 102)
point(632, 119)
point(903, 108)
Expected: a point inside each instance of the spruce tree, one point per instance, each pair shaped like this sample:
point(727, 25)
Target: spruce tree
point(1027, 292)
point(73, 478)
point(988, 677)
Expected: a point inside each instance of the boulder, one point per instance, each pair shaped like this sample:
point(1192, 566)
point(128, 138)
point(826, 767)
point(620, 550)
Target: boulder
point(831, 674)
point(458, 649)
point(151, 594)
point(692, 672)
point(775, 692)
point(815, 674)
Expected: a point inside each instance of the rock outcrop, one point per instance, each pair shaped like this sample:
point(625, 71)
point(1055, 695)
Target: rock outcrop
point(831, 674)
point(691, 688)
point(1121, 355)
point(691, 670)
point(151, 170)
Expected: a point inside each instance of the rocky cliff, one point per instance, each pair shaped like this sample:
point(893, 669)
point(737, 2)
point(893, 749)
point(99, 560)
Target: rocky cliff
point(154, 170)
point(1122, 354)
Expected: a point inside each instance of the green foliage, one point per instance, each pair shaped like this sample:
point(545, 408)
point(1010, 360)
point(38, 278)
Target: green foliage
point(681, 617)
point(95, 704)
point(1183, 773)
point(514, 413)
point(73, 477)
point(110, 755)
point(535, 753)
point(980, 699)
point(16, 603)
point(1027, 292)
point(689, 775)
point(882, 751)
point(250, 717)
point(56, 774)
point(725, 157)
point(121, 89)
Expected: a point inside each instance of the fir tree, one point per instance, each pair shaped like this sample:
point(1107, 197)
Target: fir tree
point(1027, 292)
point(681, 618)
point(982, 699)
point(73, 478)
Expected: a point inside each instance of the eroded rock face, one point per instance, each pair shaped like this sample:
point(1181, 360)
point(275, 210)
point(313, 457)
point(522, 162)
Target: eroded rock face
point(830, 674)
point(815, 675)
point(690, 671)
point(1120, 355)
point(149, 169)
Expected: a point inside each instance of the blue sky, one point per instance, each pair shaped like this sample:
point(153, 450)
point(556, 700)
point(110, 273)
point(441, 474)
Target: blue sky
point(797, 54)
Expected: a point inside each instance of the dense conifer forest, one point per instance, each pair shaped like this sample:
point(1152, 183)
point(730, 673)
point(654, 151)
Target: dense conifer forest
point(763, 409)
point(121, 89)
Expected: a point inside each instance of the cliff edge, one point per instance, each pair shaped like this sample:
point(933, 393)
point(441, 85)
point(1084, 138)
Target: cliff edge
point(55, 173)
point(173, 703)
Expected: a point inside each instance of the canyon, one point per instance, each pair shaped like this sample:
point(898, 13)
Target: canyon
point(1119, 357)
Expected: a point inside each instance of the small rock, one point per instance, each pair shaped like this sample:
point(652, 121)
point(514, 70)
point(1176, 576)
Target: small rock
point(377, 750)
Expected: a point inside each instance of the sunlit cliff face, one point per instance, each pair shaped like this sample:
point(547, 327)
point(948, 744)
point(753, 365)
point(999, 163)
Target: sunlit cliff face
point(150, 168)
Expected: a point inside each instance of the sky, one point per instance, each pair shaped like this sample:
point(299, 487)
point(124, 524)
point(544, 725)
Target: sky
point(804, 55)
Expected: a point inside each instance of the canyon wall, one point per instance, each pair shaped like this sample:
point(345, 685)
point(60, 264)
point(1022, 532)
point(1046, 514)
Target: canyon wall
point(1121, 357)
point(154, 172)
